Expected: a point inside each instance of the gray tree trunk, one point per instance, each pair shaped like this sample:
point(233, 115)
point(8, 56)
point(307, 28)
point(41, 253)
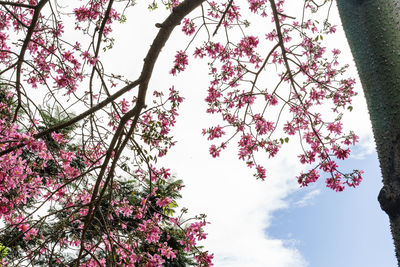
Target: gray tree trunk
point(372, 29)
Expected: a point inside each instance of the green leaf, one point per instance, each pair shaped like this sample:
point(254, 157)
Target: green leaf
point(153, 6)
point(123, 19)
point(3, 251)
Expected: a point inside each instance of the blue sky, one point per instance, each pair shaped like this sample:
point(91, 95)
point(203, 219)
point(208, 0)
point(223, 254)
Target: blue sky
point(340, 229)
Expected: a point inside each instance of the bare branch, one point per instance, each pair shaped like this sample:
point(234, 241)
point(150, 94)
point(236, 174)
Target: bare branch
point(28, 37)
point(6, 3)
point(223, 16)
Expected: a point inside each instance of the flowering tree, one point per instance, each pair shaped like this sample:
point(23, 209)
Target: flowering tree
point(86, 189)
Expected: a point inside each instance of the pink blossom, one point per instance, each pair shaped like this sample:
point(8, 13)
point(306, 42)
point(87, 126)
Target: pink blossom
point(162, 202)
point(188, 26)
point(260, 172)
point(214, 151)
point(181, 60)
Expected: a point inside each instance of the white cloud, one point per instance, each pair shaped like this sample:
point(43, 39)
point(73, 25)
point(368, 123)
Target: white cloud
point(365, 147)
point(308, 198)
point(239, 208)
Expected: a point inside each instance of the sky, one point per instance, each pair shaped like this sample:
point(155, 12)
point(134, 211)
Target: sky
point(272, 223)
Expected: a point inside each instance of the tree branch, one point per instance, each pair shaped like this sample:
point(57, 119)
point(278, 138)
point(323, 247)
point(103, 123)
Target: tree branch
point(6, 3)
point(77, 118)
point(223, 16)
point(31, 29)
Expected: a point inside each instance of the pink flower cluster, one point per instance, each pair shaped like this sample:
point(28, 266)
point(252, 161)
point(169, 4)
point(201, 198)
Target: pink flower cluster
point(188, 26)
point(180, 62)
point(313, 82)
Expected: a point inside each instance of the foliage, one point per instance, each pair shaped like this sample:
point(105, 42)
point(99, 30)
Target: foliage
point(3, 251)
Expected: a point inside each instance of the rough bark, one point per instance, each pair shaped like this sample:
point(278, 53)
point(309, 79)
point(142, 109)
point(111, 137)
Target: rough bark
point(372, 29)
